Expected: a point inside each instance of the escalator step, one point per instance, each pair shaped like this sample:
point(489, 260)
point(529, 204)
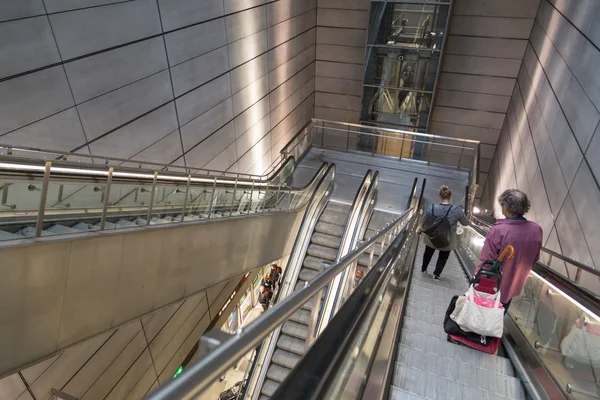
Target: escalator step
point(364, 260)
point(125, 223)
point(291, 344)
point(326, 240)
point(269, 387)
point(82, 226)
point(334, 218)
point(329, 229)
point(108, 225)
point(294, 329)
point(8, 236)
point(285, 358)
point(315, 263)
point(61, 229)
point(29, 231)
point(301, 316)
point(307, 274)
point(325, 253)
point(277, 373)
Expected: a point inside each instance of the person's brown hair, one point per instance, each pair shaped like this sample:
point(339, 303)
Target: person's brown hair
point(445, 193)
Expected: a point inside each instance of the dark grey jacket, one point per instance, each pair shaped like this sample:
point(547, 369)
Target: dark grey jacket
point(439, 210)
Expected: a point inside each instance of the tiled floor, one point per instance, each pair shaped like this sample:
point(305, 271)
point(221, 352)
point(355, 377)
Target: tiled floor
point(427, 365)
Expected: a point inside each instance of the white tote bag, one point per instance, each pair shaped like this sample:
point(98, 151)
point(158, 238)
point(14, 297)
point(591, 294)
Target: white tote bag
point(580, 345)
point(485, 320)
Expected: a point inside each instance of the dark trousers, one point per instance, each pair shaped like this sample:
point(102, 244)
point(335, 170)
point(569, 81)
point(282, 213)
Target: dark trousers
point(506, 305)
point(441, 261)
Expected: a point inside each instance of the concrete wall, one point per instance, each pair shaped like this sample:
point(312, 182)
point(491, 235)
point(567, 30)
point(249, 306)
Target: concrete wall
point(127, 362)
point(550, 144)
point(481, 61)
point(341, 37)
point(221, 84)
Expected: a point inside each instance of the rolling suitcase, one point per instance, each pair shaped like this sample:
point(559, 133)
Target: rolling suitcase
point(487, 280)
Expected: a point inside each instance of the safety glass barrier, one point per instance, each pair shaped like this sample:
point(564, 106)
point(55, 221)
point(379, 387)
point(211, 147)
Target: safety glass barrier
point(42, 198)
point(412, 26)
point(584, 276)
point(229, 349)
point(558, 318)
point(432, 149)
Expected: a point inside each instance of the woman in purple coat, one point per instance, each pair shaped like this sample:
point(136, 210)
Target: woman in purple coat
point(526, 238)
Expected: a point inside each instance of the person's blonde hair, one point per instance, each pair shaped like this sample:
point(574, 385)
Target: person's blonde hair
point(445, 193)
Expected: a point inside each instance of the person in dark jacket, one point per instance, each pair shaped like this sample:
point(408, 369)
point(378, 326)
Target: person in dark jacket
point(455, 214)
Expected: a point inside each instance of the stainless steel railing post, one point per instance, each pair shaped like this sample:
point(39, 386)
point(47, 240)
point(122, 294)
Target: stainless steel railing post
point(43, 196)
point(106, 198)
point(185, 201)
point(151, 198)
point(212, 198)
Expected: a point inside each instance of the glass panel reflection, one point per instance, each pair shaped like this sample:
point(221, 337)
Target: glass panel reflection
point(412, 25)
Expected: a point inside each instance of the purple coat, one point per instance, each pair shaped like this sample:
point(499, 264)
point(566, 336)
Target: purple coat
point(526, 237)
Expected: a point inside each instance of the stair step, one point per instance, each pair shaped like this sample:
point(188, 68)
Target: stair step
point(285, 358)
point(325, 253)
point(326, 240)
point(294, 329)
point(277, 373)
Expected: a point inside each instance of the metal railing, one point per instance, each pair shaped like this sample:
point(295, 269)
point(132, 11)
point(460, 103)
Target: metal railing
point(199, 376)
point(38, 193)
point(41, 187)
point(461, 154)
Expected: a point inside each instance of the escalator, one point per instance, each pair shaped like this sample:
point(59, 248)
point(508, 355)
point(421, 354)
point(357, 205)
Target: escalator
point(427, 364)
point(322, 251)
point(387, 341)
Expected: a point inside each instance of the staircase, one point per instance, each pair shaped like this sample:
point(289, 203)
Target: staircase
point(427, 365)
point(322, 251)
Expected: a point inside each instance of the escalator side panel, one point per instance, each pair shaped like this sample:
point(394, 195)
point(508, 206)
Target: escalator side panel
point(64, 291)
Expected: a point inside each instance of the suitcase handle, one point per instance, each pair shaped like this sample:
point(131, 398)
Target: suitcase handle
point(488, 274)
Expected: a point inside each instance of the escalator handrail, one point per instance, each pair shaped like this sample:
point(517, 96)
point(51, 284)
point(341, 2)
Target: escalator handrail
point(201, 375)
point(16, 167)
point(561, 257)
point(116, 161)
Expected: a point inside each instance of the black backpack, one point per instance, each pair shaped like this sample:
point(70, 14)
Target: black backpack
point(439, 231)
